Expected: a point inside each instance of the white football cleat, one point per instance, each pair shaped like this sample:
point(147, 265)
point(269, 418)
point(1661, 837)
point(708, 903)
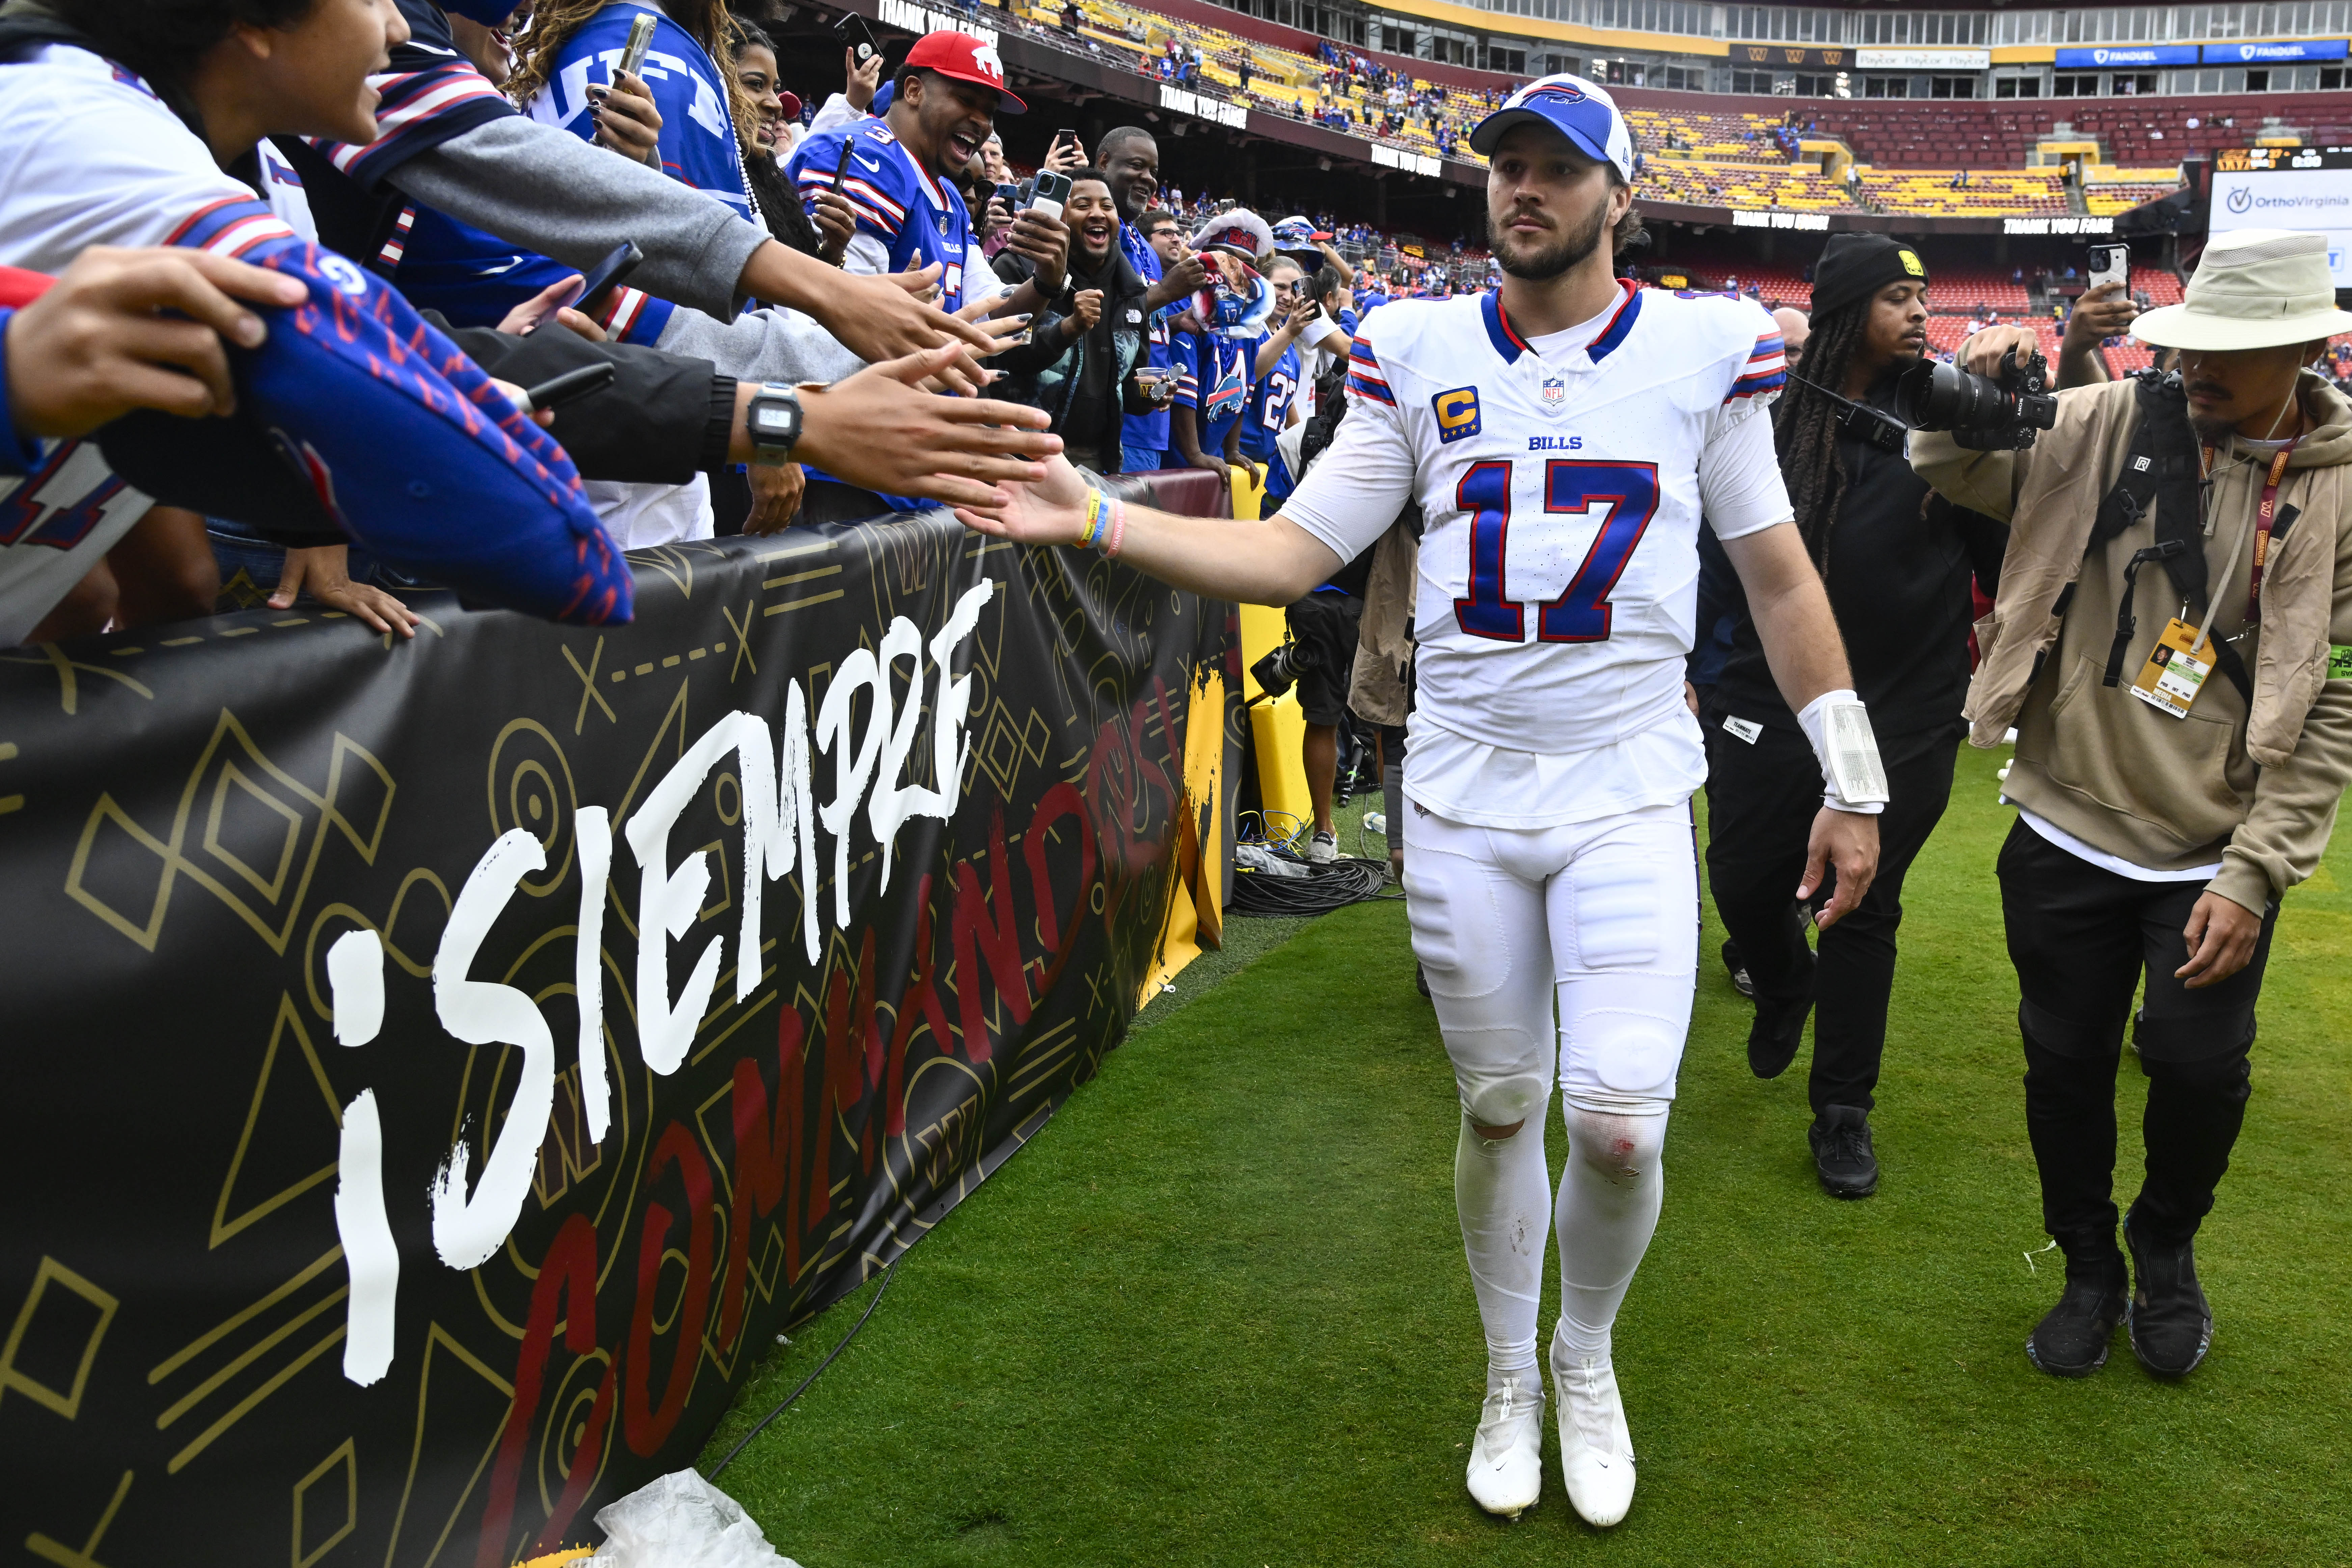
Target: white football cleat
point(1596, 1452)
point(1507, 1455)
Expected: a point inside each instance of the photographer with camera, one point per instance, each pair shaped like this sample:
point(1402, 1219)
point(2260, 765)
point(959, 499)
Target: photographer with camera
point(1897, 568)
point(2170, 646)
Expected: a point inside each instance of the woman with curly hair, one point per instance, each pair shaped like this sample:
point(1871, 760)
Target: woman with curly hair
point(688, 116)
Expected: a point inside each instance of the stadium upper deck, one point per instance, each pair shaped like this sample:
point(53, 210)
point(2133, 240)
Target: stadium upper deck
point(2029, 156)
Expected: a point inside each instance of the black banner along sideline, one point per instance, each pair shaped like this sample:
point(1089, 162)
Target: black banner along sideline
point(366, 1211)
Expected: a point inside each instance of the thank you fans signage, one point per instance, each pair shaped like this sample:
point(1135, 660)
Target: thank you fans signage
point(1387, 157)
point(916, 19)
point(439, 1071)
point(1200, 106)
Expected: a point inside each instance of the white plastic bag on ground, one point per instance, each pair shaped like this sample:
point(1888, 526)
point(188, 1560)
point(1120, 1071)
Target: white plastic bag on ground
point(682, 1521)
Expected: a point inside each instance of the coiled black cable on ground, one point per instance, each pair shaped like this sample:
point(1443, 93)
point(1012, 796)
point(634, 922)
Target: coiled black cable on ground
point(887, 1275)
point(1331, 886)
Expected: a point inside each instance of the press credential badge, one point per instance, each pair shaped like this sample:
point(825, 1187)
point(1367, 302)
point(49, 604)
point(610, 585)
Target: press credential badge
point(2173, 675)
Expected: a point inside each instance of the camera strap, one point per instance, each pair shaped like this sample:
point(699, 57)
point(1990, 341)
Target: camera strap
point(2161, 470)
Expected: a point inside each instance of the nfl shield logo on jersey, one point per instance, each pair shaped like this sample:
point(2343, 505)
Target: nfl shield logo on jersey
point(1555, 392)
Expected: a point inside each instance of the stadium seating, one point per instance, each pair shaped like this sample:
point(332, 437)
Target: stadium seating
point(1791, 187)
point(1988, 194)
point(2122, 196)
point(1723, 153)
point(1735, 138)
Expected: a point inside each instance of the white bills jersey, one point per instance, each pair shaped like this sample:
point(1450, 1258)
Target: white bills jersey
point(1562, 484)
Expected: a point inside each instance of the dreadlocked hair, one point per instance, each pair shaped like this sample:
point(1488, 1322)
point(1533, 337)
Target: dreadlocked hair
point(707, 21)
point(1806, 435)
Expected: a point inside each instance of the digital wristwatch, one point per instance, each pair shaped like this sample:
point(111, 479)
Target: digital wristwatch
point(772, 421)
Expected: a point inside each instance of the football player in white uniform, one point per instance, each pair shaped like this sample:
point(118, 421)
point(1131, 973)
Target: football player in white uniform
point(1563, 436)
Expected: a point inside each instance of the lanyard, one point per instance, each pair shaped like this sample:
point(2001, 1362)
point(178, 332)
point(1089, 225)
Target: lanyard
point(2266, 518)
point(2265, 514)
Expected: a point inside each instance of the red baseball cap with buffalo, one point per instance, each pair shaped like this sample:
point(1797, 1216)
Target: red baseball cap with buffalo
point(960, 57)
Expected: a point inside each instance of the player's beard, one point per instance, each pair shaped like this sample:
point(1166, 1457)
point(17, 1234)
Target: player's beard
point(1541, 264)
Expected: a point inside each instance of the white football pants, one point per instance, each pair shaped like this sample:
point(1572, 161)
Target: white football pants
point(1600, 921)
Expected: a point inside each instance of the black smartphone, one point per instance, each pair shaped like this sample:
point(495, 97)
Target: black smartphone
point(852, 29)
point(610, 274)
point(556, 391)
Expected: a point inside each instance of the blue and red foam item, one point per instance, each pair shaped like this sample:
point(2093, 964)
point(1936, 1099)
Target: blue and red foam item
point(406, 445)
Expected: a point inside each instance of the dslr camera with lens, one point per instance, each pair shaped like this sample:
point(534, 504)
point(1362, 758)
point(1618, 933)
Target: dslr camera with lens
point(1984, 414)
point(1278, 672)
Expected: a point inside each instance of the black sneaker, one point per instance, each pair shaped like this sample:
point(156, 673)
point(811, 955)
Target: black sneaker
point(1420, 978)
point(1774, 1037)
point(2071, 1341)
point(1740, 980)
point(2171, 1325)
point(1842, 1154)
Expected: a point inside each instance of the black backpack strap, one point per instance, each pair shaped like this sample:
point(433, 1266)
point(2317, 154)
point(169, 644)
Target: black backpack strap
point(2127, 623)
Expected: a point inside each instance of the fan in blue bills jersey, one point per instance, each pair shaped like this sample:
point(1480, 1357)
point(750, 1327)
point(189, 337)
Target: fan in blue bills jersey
point(699, 145)
point(914, 217)
point(1212, 391)
point(1271, 401)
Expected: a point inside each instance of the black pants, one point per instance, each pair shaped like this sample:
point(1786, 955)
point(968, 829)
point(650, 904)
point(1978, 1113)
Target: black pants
point(2084, 938)
point(1761, 799)
point(1325, 625)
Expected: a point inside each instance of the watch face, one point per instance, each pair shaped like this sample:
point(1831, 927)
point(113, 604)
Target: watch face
point(775, 420)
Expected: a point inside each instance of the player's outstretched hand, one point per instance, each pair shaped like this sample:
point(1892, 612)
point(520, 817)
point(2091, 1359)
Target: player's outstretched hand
point(95, 345)
point(1849, 841)
point(879, 430)
point(1048, 510)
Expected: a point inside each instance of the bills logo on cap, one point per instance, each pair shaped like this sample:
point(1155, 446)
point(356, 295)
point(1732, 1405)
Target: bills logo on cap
point(1579, 109)
point(1555, 392)
point(986, 60)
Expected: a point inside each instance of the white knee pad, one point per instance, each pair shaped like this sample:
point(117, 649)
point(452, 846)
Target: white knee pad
point(1620, 1137)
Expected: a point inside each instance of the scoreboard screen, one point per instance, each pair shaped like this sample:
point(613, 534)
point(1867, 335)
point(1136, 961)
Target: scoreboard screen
point(2305, 189)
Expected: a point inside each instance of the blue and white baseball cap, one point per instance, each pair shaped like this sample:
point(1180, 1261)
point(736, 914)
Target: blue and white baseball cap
point(1579, 109)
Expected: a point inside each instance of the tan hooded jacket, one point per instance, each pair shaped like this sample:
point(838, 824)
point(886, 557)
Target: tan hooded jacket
point(2255, 790)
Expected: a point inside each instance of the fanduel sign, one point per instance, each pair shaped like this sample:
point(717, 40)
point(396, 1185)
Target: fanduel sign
point(2273, 53)
point(2125, 56)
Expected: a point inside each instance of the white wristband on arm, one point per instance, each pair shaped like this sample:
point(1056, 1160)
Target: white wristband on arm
point(1837, 725)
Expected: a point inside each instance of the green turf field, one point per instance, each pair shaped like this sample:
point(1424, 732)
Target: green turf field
point(1217, 1313)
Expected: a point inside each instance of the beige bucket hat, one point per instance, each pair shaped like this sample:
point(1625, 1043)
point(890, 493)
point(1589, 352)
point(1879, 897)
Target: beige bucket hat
point(2254, 289)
